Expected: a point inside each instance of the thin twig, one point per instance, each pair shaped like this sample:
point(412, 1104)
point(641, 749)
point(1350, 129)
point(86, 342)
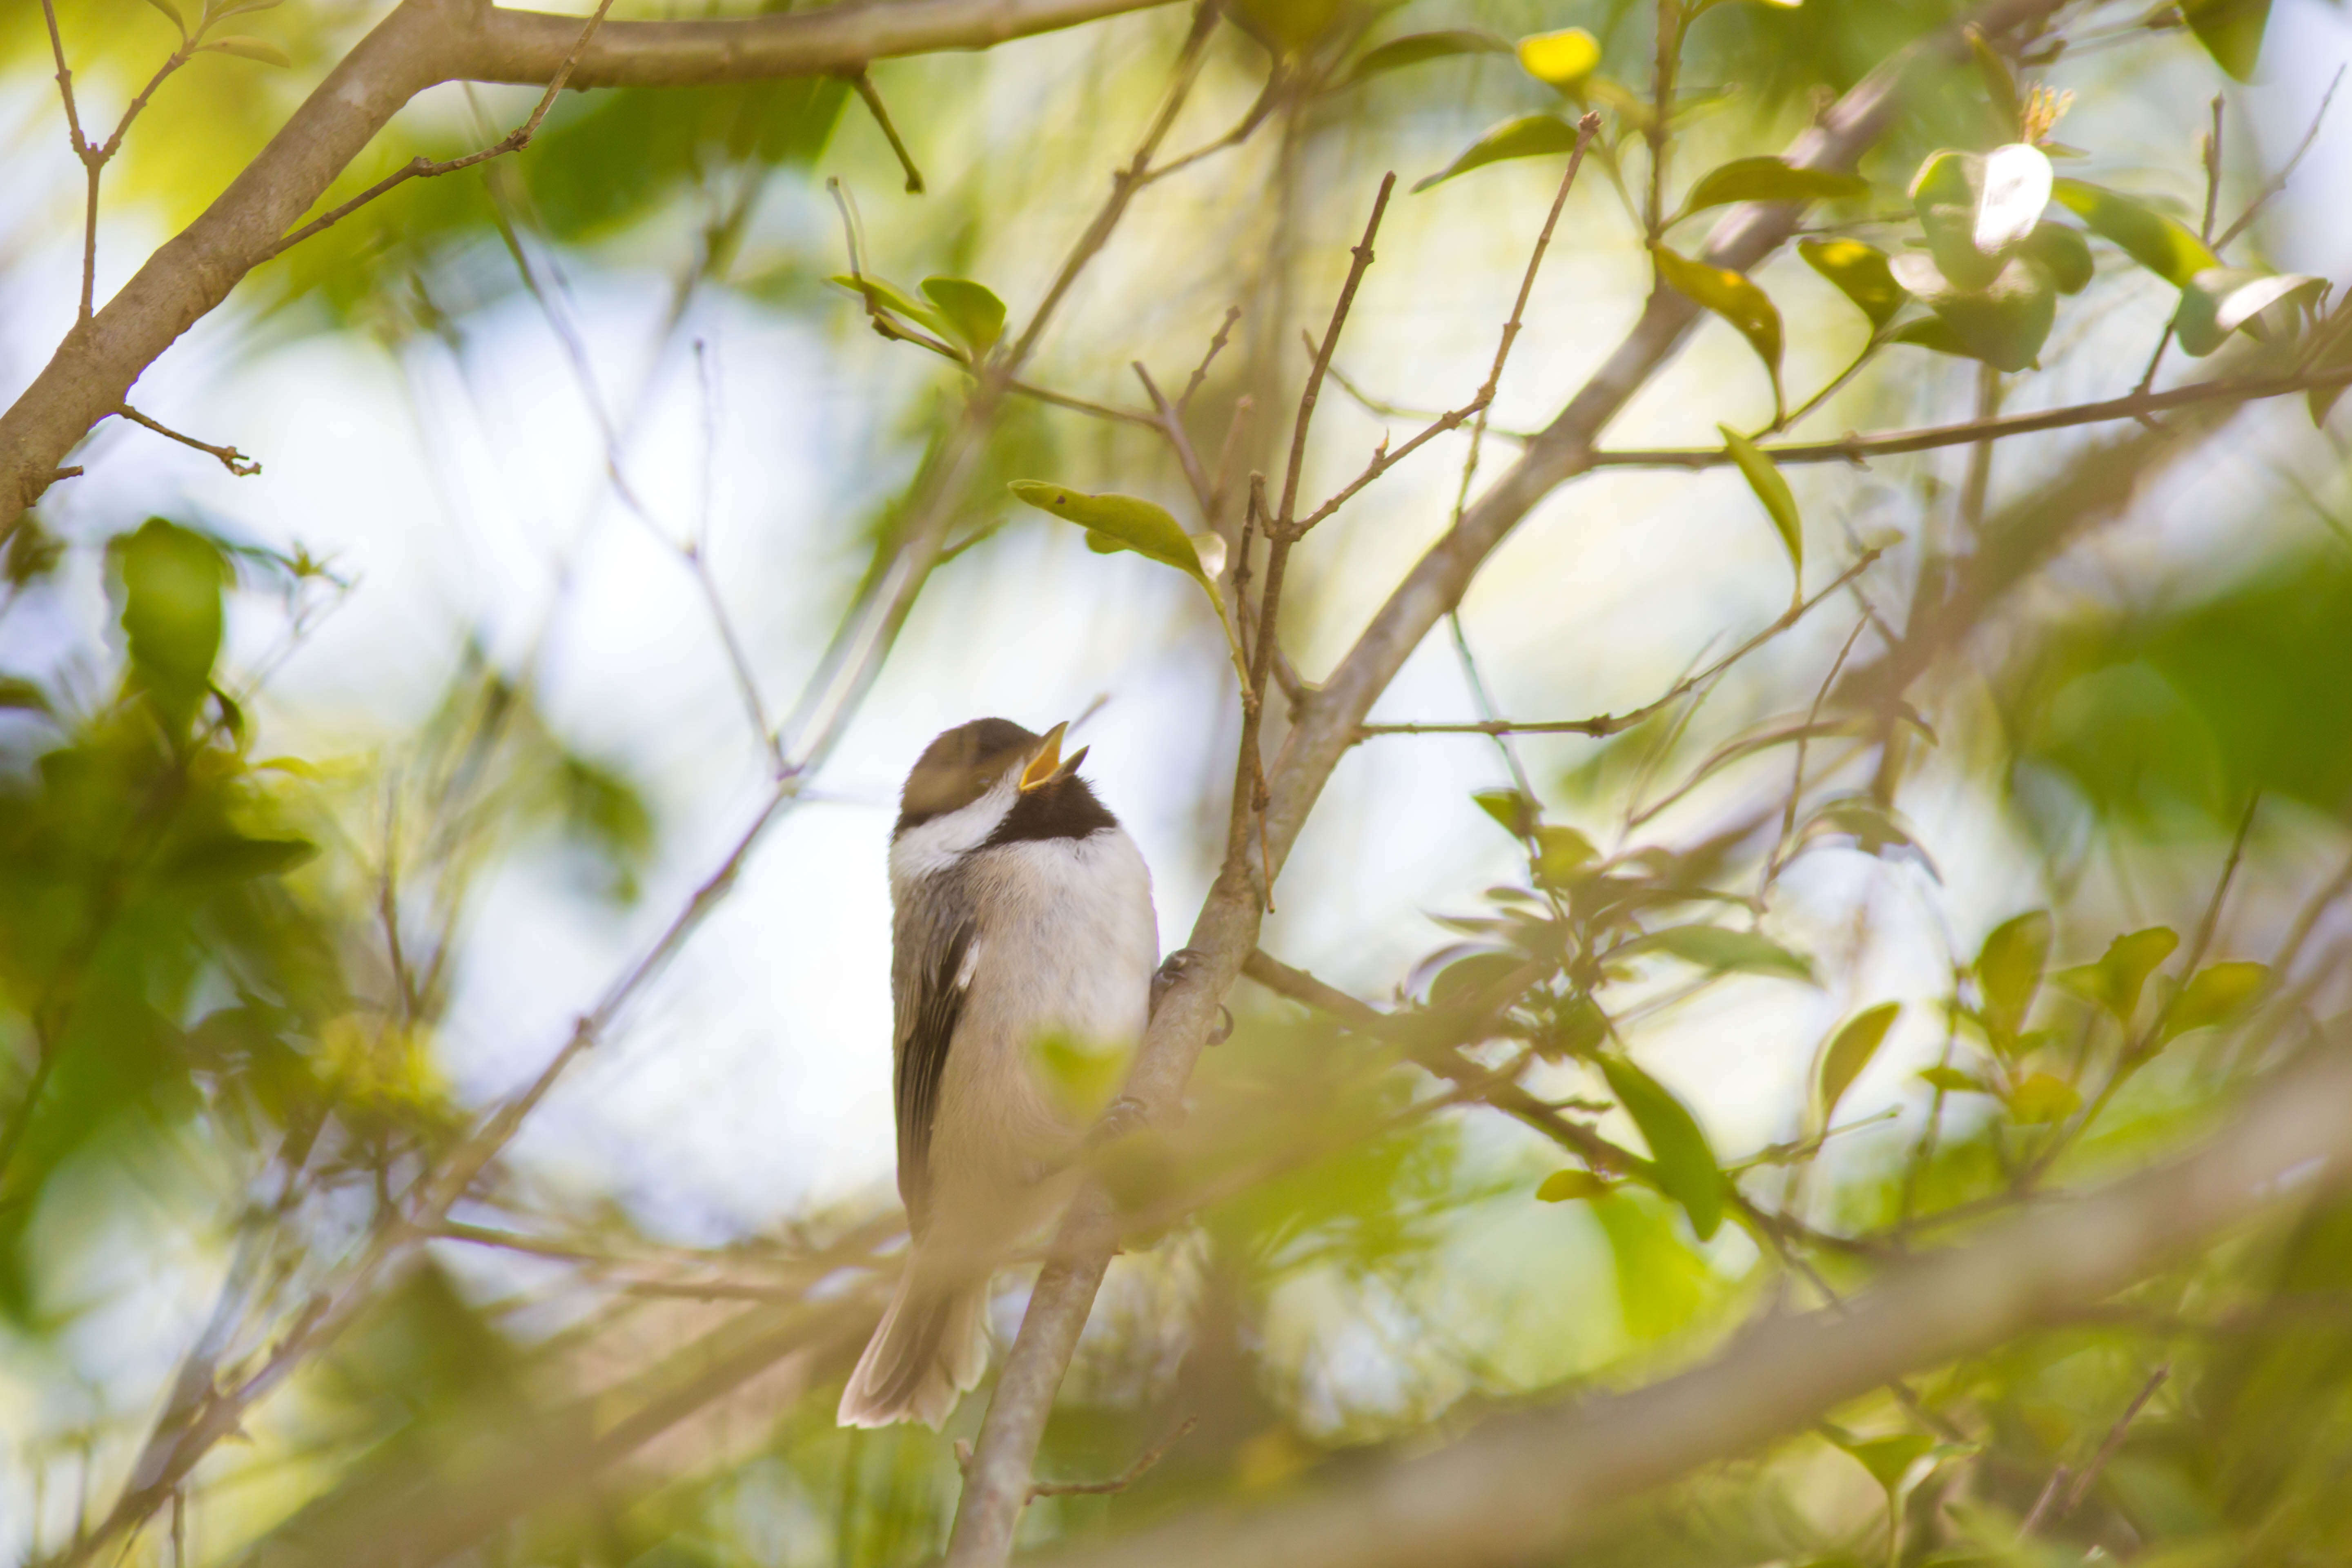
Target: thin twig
point(235, 461)
point(2080, 1491)
point(863, 80)
point(421, 168)
point(1125, 1478)
point(2277, 181)
point(1170, 425)
point(1216, 345)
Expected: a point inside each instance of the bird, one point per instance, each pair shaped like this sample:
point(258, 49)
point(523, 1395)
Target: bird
point(1023, 940)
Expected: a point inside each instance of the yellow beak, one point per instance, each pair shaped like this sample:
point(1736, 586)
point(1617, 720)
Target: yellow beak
point(1046, 764)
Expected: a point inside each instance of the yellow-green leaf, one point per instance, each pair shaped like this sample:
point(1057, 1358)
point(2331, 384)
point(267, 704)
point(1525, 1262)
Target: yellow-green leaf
point(2230, 30)
point(2164, 246)
point(1846, 1053)
point(1860, 273)
point(1768, 179)
point(1952, 1080)
point(1514, 811)
point(2004, 324)
point(246, 48)
point(1128, 521)
point(1566, 1187)
point(2000, 83)
point(2115, 982)
point(972, 313)
point(1561, 853)
point(1718, 949)
point(2009, 971)
point(2044, 1098)
point(1415, 49)
point(1888, 1459)
point(2221, 299)
point(173, 12)
point(1687, 1170)
point(1559, 59)
point(1528, 136)
point(1736, 299)
point(1771, 489)
point(880, 293)
point(1946, 194)
point(2218, 993)
point(2062, 253)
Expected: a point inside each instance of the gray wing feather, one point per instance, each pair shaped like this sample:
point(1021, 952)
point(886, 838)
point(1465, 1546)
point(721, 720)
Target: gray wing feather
point(932, 938)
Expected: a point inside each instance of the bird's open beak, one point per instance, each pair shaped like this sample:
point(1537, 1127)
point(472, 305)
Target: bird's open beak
point(1048, 765)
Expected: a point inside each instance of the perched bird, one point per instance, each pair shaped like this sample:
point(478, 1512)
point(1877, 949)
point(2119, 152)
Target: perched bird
point(1025, 941)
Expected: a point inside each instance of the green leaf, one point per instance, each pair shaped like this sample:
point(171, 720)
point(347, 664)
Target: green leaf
point(879, 293)
point(2221, 299)
point(1415, 49)
point(2004, 324)
point(1559, 59)
point(1469, 980)
point(1561, 853)
point(2331, 350)
point(1514, 811)
point(1846, 1053)
point(1772, 489)
point(246, 48)
point(971, 311)
point(1528, 136)
point(1566, 1187)
point(2218, 993)
point(1687, 1172)
point(2230, 30)
point(2043, 1099)
point(231, 858)
point(1860, 272)
point(1952, 1080)
point(2009, 971)
point(2115, 982)
point(1931, 333)
point(23, 696)
point(1770, 180)
point(1732, 297)
point(2000, 83)
point(2164, 246)
point(1945, 194)
point(172, 579)
point(1718, 949)
point(2062, 253)
point(1888, 1459)
point(173, 12)
point(1130, 522)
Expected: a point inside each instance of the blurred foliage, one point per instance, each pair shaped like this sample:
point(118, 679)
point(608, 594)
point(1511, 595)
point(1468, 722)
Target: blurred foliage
point(226, 970)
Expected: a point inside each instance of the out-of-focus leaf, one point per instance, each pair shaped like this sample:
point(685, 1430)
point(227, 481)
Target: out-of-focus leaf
point(244, 48)
point(1561, 853)
point(1528, 136)
point(1736, 299)
point(2004, 324)
point(1888, 1459)
point(2009, 971)
point(2230, 30)
point(889, 296)
point(1415, 49)
point(1514, 811)
point(2042, 1099)
point(2164, 246)
point(1687, 1170)
point(2115, 982)
point(1716, 948)
point(231, 858)
point(1873, 830)
point(1566, 1187)
point(1860, 272)
point(2062, 253)
point(2221, 299)
point(1932, 332)
point(1846, 1053)
point(24, 696)
point(2218, 993)
point(1946, 194)
point(2000, 83)
point(172, 581)
point(2331, 350)
point(1288, 26)
point(171, 11)
point(1135, 523)
point(970, 309)
point(1578, 1027)
point(2015, 190)
point(1952, 1080)
point(1766, 179)
point(1211, 548)
point(1559, 59)
point(1764, 478)
point(1469, 980)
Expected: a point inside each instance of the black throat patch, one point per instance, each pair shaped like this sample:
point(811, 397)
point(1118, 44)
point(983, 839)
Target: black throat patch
point(1066, 808)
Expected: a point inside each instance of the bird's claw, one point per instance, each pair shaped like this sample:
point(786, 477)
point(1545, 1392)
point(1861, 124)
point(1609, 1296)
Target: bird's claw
point(1174, 968)
point(1123, 1116)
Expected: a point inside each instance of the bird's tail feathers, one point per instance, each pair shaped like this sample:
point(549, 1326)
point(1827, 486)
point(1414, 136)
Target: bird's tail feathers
point(927, 1350)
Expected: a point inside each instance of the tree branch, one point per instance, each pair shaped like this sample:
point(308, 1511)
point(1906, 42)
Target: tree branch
point(1531, 1485)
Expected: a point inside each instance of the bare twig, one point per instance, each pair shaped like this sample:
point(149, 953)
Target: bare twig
point(863, 80)
point(1170, 425)
point(423, 168)
point(1125, 1478)
point(2075, 1494)
point(235, 461)
point(2278, 181)
point(1200, 371)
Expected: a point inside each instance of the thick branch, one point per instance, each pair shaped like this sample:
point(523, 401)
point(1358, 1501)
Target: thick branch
point(1528, 1486)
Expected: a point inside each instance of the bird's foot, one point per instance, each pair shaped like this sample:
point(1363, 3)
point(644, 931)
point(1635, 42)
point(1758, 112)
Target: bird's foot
point(1175, 967)
point(1122, 1117)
